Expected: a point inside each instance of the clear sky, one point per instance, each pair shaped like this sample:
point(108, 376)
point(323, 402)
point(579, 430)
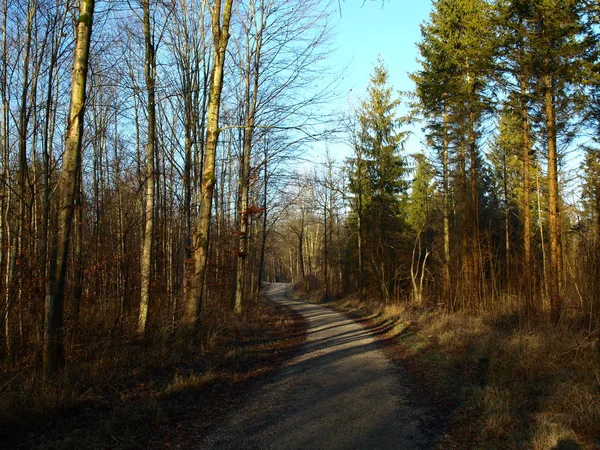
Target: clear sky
point(363, 31)
point(390, 29)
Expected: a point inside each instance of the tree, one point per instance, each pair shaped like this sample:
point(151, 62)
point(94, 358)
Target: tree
point(559, 54)
point(150, 77)
point(53, 339)
point(504, 155)
point(420, 218)
point(357, 185)
point(220, 19)
point(515, 65)
point(381, 184)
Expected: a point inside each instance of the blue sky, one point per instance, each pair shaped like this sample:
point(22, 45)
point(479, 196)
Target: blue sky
point(364, 31)
point(390, 29)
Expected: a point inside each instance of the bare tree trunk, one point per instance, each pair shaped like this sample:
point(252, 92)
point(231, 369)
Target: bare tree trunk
point(553, 204)
point(242, 251)
point(47, 150)
point(53, 345)
point(220, 29)
point(123, 278)
point(301, 269)
point(17, 246)
point(465, 225)
point(325, 249)
point(78, 254)
point(146, 261)
point(507, 255)
point(187, 194)
point(446, 288)
point(475, 240)
point(4, 192)
point(254, 38)
point(527, 281)
point(263, 242)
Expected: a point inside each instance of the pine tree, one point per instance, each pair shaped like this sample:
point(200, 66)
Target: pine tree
point(515, 66)
point(559, 50)
point(423, 188)
point(505, 157)
point(590, 194)
point(420, 218)
point(451, 88)
point(377, 177)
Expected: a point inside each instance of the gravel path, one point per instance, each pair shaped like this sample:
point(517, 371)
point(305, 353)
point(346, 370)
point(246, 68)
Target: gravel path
point(339, 393)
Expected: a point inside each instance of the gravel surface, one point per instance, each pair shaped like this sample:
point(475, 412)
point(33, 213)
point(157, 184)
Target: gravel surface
point(339, 393)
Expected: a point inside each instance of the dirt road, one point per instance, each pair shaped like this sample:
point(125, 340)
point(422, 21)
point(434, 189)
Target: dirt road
point(339, 393)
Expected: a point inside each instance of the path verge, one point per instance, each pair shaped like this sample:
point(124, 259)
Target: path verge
point(501, 383)
point(151, 406)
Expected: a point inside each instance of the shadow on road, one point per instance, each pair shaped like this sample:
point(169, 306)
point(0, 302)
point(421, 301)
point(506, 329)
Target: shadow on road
point(339, 393)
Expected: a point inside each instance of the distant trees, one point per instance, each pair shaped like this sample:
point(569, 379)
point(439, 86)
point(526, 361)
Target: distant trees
point(479, 220)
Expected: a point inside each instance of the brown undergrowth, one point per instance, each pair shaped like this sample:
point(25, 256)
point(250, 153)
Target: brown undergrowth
point(127, 394)
point(504, 384)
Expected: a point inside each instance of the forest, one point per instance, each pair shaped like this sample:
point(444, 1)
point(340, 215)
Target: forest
point(162, 160)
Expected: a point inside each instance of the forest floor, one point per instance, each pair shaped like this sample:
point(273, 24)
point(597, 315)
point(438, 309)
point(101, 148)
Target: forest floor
point(298, 374)
point(497, 382)
point(150, 392)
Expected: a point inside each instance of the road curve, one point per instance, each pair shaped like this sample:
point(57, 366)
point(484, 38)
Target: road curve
point(340, 392)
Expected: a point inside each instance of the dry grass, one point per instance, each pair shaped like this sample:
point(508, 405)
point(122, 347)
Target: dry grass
point(117, 391)
point(507, 384)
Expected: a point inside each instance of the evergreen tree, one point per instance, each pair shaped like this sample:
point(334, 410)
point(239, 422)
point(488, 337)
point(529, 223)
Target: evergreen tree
point(559, 50)
point(514, 66)
point(420, 218)
point(377, 179)
point(422, 193)
point(505, 157)
point(590, 194)
point(452, 92)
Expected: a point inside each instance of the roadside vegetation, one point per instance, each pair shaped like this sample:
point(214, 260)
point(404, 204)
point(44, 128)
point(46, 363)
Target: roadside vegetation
point(501, 383)
point(120, 392)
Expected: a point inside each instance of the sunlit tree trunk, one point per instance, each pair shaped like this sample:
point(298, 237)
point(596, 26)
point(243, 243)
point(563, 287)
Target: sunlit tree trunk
point(220, 30)
point(555, 281)
point(53, 345)
point(527, 281)
point(263, 241)
point(474, 208)
point(505, 195)
point(252, 83)
point(446, 287)
point(146, 260)
point(244, 187)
